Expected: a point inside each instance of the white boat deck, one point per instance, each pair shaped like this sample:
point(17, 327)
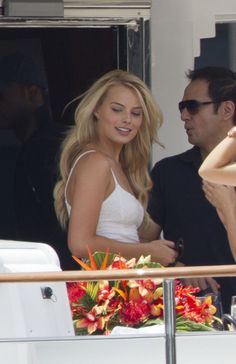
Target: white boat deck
point(209, 348)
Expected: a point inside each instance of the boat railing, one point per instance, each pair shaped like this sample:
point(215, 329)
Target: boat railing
point(168, 275)
point(94, 275)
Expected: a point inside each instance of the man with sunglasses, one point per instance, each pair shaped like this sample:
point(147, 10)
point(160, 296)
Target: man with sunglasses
point(181, 203)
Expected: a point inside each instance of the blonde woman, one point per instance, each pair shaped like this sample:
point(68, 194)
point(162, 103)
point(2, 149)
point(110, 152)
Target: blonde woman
point(104, 181)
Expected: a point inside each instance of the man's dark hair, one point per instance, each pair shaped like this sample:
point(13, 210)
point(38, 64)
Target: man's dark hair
point(221, 83)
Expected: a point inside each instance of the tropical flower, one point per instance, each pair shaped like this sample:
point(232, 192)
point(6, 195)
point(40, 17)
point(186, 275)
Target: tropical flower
point(97, 307)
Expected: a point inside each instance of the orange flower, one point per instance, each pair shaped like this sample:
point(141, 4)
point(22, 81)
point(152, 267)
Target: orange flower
point(91, 321)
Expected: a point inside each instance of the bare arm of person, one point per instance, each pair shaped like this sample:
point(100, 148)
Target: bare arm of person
point(90, 184)
point(219, 166)
point(223, 198)
point(149, 230)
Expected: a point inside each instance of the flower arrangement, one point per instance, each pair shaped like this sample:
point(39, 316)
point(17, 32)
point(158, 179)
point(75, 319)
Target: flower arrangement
point(97, 307)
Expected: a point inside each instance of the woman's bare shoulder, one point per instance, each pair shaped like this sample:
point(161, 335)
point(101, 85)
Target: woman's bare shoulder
point(93, 161)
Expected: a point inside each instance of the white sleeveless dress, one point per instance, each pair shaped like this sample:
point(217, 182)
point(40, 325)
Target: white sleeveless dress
point(121, 213)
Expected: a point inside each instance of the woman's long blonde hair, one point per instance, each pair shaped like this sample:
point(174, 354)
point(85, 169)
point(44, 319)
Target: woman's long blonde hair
point(135, 156)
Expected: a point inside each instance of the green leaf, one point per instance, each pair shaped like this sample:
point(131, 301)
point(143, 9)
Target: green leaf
point(148, 265)
point(156, 321)
point(99, 257)
point(189, 325)
point(92, 290)
point(114, 321)
point(88, 301)
point(81, 331)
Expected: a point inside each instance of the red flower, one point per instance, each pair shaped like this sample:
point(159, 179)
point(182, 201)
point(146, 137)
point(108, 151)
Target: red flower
point(133, 313)
point(76, 290)
point(97, 307)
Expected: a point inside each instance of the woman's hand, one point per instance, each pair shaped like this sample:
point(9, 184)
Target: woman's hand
point(163, 251)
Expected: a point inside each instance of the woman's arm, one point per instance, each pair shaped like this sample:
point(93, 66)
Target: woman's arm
point(219, 166)
point(90, 184)
point(223, 198)
point(149, 230)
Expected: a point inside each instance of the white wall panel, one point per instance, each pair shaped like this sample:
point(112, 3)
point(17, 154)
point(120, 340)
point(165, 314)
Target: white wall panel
point(177, 27)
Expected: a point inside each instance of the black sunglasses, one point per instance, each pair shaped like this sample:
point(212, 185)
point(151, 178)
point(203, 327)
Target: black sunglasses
point(193, 106)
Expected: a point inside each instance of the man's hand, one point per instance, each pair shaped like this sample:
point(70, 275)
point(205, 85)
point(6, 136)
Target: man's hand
point(203, 283)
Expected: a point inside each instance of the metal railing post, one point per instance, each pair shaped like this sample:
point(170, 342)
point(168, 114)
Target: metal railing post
point(169, 316)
